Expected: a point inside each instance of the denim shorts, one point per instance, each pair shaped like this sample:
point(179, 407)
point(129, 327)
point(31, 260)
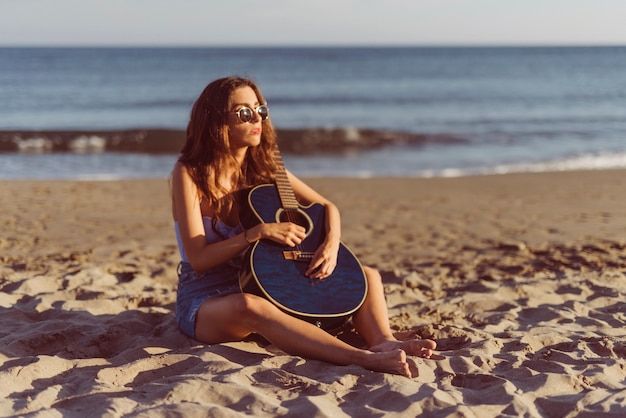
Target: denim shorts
point(196, 288)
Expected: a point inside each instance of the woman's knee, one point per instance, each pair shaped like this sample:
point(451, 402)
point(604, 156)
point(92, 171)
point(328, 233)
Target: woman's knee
point(252, 308)
point(372, 275)
point(230, 318)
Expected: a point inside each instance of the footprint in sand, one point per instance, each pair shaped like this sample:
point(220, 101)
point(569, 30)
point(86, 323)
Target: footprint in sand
point(477, 381)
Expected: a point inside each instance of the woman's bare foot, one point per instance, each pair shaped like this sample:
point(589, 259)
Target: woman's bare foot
point(389, 361)
point(420, 348)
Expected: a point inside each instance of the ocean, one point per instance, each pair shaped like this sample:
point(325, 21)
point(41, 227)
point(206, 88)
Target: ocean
point(466, 111)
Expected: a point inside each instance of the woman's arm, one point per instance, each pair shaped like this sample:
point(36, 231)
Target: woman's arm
point(186, 208)
point(203, 256)
point(325, 259)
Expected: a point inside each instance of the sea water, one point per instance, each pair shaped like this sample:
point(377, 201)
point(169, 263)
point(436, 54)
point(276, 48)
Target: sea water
point(509, 109)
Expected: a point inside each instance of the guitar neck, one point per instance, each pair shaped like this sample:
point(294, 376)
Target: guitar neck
point(285, 192)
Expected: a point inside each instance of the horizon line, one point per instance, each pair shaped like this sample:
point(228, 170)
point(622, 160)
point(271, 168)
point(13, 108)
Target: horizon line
point(320, 45)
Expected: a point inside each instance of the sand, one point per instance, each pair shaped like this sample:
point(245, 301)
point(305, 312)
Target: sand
point(521, 280)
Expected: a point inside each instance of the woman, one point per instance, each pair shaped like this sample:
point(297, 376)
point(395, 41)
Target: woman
point(228, 147)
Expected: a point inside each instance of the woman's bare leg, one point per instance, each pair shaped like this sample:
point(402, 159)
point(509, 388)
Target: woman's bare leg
point(372, 322)
point(234, 317)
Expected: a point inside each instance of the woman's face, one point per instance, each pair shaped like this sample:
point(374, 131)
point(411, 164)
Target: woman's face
point(243, 134)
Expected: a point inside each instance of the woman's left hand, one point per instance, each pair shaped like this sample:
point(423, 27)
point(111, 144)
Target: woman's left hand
point(324, 261)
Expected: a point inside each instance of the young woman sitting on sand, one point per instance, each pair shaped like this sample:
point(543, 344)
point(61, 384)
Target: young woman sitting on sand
point(228, 147)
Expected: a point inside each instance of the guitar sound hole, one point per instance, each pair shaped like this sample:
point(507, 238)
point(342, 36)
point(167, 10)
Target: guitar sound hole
point(297, 217)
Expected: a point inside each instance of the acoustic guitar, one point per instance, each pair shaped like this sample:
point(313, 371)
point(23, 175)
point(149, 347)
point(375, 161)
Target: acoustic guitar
point(276, 271)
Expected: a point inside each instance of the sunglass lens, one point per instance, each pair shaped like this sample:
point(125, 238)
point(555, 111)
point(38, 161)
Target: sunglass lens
point(263, 111)
point(245, 114)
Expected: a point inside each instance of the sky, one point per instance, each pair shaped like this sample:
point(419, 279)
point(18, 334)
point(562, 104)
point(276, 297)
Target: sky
point(316, 22)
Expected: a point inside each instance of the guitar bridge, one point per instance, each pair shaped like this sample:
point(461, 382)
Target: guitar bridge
point(296, 255)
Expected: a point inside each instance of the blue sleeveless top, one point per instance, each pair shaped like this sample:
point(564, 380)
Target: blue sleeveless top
point(211, 237)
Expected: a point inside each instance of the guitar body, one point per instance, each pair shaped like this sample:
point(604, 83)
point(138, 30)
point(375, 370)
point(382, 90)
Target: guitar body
point(274, 271)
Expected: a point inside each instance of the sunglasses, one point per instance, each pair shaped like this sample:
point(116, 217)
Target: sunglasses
point(246, 114)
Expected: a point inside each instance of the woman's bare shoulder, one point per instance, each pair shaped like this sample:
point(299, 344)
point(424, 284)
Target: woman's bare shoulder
point(179, 168)
point(180, 172)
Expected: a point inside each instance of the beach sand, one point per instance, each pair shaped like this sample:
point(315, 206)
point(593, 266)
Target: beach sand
point(521, 280)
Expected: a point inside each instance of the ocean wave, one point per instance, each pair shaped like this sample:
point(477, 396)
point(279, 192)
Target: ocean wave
point(593, 161)
point(313, 141)
point(596, 161)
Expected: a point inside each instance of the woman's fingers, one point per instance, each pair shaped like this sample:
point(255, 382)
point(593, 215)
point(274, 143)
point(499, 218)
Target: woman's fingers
point(321, 270)
point(314, 270)
point(286, 233)
point(293, 233)
point(322, 265)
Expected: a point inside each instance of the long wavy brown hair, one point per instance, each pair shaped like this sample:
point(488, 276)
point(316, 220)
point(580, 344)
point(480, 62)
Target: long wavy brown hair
point(206, 152)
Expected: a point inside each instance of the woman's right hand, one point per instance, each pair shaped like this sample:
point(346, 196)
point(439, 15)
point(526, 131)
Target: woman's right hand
point(287, 233)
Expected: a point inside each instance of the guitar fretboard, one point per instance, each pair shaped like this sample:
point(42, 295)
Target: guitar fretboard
point(287, 196)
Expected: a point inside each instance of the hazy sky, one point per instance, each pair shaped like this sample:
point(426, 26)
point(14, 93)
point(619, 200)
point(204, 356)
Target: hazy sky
point(317, 22)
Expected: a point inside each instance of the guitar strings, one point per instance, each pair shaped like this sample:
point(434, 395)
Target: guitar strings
point(285, 192)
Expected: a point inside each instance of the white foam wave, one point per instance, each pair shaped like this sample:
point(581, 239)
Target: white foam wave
point(36, 144)
point(601, 161)
point(88, 143)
